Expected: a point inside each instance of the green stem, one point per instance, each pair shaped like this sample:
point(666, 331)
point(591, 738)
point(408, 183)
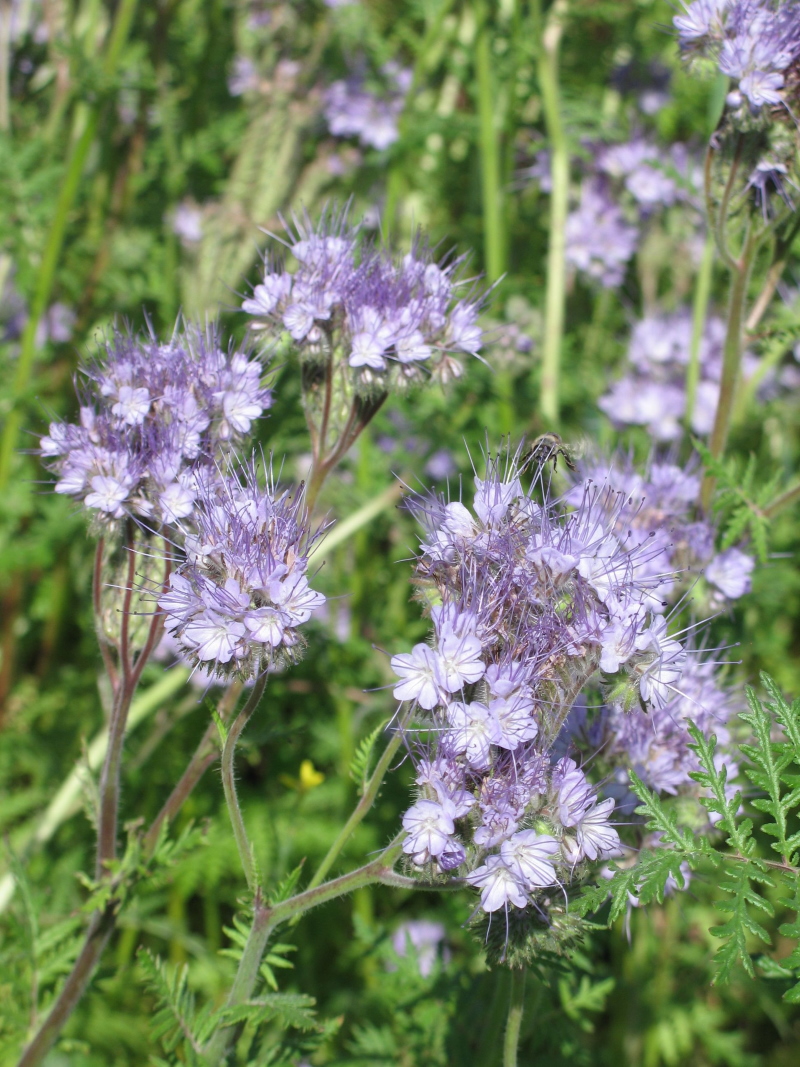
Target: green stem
point(363, 806)
point(206, 753)
point(784, 500)
point(702, 294)
point(266, 919)
point(100, 929)
point(516, 1006)
point(55, 241)
point(493, 231)
point(5, 65)
point(549, 403)
point(731, 360)
point(229, 781)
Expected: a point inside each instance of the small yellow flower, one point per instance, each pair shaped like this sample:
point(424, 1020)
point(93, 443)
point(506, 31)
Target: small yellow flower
point(310, 777)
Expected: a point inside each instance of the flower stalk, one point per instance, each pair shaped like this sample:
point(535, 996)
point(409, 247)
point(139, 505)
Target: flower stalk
point(232, 736)
point(516, 1006)
point(494, 237)
point(266, 918)
point(731, 359)
point(555, 297)
point(365, 803)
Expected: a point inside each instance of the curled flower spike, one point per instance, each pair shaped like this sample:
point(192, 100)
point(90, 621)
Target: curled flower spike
point(530, 598)
point(364, 323)
point(236, 603)
point(379, 315)
point(155, 419)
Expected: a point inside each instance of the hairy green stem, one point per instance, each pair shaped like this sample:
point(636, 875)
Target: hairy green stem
point(55, 241)
point(364, 804)
point(555, 297)
point(494, 238)
point(516, 1006)
point(232, 735)
point(206, 753)
point(731, 361)
point(782, 501)
point(702, 294)
point(266, 919)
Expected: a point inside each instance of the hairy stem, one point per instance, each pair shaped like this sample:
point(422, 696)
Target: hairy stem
point(702, 294)
point(102, 639)
point(516, 1005)
point(266, 919)
point(364, 804)
point(110, 774)
point(206, 753)
point(555, 297)
point(229, 781)
point(731, 361)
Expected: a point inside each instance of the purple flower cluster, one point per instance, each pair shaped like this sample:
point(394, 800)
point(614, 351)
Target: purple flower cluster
point(623, 185)
point(154, 420)
point(352, 110)
point(660, 512)
point(653, 392)
point(378, 318)
point(599, 240)
point(753, 42)
point(656, 746)
point(529, 601)
point(235, 605)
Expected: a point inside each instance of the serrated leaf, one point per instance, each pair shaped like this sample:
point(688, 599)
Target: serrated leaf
point(360, 763)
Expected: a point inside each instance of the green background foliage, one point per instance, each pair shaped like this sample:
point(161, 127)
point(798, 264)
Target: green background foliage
point(152, 115)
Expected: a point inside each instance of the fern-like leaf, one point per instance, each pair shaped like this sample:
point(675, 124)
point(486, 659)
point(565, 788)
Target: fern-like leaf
point(289, 1010)
point(360, 763)
point(175, 1019)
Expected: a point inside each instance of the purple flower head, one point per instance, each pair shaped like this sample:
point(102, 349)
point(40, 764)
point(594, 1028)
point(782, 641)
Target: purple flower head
point(599, 240)
point(155, 419)
point(652, 393)
point(236, 603)
point(353, 110)
point(657, 745)
point(753, 42)
point(383, 320)
point(530, 597)
point(730, 572)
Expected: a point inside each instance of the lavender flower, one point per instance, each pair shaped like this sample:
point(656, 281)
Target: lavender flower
point(236, 603)
point(753, 42)
point(657, 746)
point(378, 318)
point(154, 421)
point(351, 110)
point(530, 598)
point(660, 511)
point(730, 572)
point(653, 392)
point(599, 240)
point(423, 938)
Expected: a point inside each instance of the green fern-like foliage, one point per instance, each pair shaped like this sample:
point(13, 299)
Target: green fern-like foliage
point(742, 495)
point(755, 884)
